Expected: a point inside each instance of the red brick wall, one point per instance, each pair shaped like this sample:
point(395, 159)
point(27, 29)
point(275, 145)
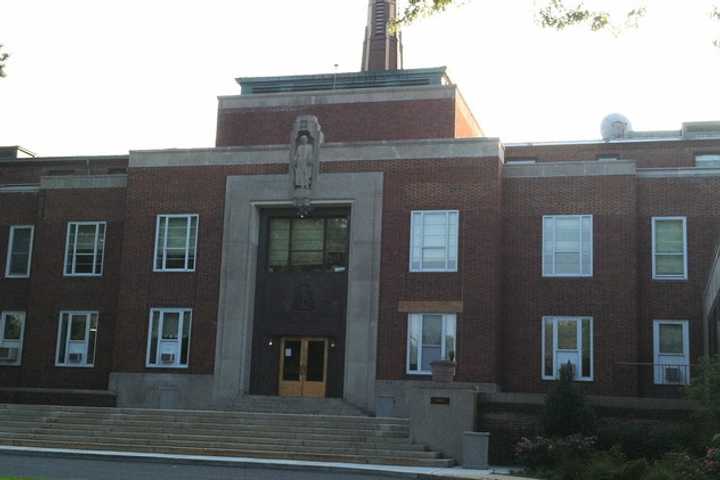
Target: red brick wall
point(50, 292)
point(697, 199)
point(669, 154)
point(610, 296)
point(354, 122)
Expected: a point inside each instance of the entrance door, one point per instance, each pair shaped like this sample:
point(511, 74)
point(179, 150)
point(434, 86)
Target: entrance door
point(303, 367)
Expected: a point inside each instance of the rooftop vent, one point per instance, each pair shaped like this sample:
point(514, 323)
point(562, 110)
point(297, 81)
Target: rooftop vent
point(615, 127)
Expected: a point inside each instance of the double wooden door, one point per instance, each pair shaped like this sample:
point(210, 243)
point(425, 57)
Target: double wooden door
point(303, 367)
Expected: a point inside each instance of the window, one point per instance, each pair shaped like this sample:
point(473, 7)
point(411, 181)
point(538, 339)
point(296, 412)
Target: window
point(669, 248)
point(12, 330)
point(707, 160)
point(520, 161)
point(76, 339)
point(176, 243)
point(609, 157)
point(431, 337)
point(308, 244)
point(169, 338)
point(671, 344)
point(567, 340)
point(19, 255)
point(85, 249)
point(434, 241)
point(567, 246)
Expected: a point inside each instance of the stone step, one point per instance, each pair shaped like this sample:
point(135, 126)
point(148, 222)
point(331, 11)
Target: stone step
point(313, 406)
point(248, 444)
point(173, 427)
point(395, 444)
point(260, 436)
point(223, 415)
point(391, 459)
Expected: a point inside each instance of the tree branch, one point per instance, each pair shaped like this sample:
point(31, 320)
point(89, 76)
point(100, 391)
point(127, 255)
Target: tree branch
point(3, 58)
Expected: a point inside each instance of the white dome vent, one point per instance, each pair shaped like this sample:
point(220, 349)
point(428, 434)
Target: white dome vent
point(615, 126)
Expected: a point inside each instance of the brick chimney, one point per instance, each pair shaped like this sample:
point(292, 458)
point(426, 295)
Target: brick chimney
point(382, 50)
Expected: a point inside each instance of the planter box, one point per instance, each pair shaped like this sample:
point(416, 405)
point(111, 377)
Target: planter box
point(443, 371)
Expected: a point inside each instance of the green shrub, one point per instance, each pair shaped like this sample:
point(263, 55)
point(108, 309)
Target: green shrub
point(705, 390)
point(566, 412)
point(650, 440)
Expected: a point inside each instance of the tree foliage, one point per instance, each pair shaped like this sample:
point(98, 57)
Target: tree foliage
point(3, 58)
point(553, 14)
point(566, 412)
point(705, 390)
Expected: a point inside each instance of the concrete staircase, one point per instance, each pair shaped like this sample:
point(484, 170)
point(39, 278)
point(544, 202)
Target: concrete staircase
point(320, 438)
point(296, 406)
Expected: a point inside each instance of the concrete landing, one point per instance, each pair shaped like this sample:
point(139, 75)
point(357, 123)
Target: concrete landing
point(318, 470)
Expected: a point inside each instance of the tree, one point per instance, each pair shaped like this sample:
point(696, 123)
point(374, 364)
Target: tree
point(566, 412)
point(705, 391)
point(3, 57)
point(555, 14)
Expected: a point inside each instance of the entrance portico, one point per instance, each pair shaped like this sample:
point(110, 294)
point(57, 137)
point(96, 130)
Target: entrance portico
point(246, 198)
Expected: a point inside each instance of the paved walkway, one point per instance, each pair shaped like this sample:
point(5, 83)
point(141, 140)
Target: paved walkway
point(65, 464)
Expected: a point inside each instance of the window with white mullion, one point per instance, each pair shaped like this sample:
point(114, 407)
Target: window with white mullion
point(567, 246)
point(567, 340)
point(19, 254)
point(169, 338)
point(176, 243)
point(669, 248)
point(85, 249)
point(12, 331)
point(77, 337)
point(431, 337)
point(434, 241)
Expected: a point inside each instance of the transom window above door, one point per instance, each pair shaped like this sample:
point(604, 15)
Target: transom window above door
point(308, 244)
point(567, 247)
point(176, 243)
point(434, 241)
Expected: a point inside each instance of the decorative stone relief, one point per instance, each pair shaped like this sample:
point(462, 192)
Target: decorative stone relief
point(305, 141)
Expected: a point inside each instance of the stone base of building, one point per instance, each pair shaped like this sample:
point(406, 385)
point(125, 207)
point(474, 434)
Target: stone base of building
point(162, 390)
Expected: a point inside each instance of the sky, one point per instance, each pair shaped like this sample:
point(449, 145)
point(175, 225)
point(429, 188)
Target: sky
point(91, 77)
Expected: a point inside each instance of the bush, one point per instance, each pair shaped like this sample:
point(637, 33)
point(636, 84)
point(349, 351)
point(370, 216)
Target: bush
point(705, 390)
point(566, 412)
point(711, 462)
point(546, 452)
point(650, 440)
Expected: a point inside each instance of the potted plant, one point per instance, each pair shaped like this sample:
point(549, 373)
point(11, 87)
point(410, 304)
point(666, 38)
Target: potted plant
point(443, 371)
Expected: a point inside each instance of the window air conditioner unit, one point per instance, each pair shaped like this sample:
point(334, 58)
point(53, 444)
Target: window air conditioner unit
point(8, 354)
point(75, 358)
point(167, 358)
point(674, 375)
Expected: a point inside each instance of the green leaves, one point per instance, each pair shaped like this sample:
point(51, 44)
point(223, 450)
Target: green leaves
point(3, 57)
point(417, 9)
point(555, 14)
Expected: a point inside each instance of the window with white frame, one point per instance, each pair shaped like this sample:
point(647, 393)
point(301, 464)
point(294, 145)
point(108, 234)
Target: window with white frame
point(169, 338)
point(671, 345)
point(77, 335)
point(12, 331)
point(19, 254)
point(431, 337)
point(434, 241)
point(567, 246)
point(669, 248)
point(567, 340)
point(85, 249)
point(176, 243)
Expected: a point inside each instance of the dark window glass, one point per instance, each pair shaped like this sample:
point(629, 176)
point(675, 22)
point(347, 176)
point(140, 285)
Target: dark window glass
point(316, 361)
point(308, 245)
point(291, 361)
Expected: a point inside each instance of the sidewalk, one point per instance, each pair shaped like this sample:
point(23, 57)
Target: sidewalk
point(339, 470)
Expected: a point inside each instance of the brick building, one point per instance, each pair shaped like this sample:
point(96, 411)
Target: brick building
point(288, 260)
